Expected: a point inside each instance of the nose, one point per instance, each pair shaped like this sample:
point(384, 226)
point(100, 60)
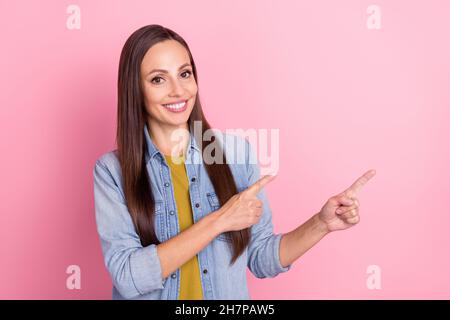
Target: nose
point(177, 89)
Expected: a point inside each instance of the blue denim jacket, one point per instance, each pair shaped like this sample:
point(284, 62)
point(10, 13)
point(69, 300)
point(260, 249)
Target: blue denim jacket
point(136, 271)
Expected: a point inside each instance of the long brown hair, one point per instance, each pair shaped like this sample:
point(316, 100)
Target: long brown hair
point(131, 144)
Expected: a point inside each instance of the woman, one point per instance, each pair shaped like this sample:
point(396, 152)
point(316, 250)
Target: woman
point(173, 224)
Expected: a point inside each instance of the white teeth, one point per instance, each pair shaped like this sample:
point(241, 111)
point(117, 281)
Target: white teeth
point(175, 106)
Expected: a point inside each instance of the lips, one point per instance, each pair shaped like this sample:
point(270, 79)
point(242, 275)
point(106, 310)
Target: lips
point(178, 106)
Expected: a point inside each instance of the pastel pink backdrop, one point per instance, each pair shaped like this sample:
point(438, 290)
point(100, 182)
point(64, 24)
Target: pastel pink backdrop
point(345, 99)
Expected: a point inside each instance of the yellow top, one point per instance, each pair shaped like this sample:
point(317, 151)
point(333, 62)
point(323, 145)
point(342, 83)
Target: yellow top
point(190, 283)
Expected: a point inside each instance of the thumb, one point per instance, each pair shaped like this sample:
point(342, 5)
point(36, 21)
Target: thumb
point(342, 200)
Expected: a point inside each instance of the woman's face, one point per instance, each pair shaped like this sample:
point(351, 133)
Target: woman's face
point(168, 82)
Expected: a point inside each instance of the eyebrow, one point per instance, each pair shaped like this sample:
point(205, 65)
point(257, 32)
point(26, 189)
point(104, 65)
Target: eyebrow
point(165, 71)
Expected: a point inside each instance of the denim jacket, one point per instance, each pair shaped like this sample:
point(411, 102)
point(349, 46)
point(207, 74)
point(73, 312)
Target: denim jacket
point(136, 271)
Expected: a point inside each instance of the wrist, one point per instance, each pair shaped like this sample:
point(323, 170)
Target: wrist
point(321, 225)
point(214, 223)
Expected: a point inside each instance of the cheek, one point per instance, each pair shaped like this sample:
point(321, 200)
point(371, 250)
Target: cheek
point(154, 95)
point(192, 88)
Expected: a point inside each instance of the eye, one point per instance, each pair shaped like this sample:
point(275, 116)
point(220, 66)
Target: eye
point(152, 81)
point(159, 82)
point(187, 71)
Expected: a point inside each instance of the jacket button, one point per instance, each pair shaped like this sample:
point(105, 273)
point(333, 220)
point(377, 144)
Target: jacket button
point(193, 179)
point(205, 271)
point(174, 275)
point(166, 184)
point(197, 205)
point(172, 212)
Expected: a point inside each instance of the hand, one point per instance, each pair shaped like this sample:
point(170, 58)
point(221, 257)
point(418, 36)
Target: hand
point(243, 209)
point(342, 211)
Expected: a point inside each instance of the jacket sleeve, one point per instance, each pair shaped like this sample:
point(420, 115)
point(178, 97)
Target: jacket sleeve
point(135, 270)
point(264, 248)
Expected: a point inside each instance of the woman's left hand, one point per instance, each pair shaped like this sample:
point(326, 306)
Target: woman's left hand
point(342, 211)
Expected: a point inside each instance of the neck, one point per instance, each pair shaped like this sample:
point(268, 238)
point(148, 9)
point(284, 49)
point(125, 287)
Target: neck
point(170, 140)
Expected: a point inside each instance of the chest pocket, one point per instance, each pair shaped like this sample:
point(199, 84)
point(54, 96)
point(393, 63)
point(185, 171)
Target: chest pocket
point(159, 219)
point(215, 205)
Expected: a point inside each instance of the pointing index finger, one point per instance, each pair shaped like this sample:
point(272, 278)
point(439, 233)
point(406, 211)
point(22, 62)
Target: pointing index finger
point(360, 182)
point(255, 188)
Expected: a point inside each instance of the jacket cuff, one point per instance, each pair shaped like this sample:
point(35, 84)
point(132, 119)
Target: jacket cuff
point(146, 270)
point(276, 254)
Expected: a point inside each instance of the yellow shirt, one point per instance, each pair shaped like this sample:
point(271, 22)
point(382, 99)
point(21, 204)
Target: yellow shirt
point(190, 283)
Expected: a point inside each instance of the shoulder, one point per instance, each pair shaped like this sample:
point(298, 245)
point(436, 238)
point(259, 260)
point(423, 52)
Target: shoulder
point(237, 148)
point(240, 154)
point(108, 160)
point(108, 166)
point(233, 141)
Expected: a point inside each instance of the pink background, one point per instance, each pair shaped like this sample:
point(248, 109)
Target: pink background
point(345, 98)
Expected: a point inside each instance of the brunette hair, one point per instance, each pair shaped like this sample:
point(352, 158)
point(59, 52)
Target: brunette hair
point(131, 143)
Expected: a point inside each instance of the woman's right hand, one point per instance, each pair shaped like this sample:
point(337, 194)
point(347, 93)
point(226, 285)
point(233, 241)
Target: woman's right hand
point(243, 209)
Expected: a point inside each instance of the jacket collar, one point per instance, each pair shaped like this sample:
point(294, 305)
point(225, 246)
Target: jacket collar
point(152, 149)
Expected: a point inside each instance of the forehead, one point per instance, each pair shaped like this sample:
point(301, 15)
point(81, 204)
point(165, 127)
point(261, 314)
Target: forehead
point(168, 54)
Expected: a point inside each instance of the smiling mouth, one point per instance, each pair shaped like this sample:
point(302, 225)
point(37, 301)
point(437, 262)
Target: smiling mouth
point(176, 107)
